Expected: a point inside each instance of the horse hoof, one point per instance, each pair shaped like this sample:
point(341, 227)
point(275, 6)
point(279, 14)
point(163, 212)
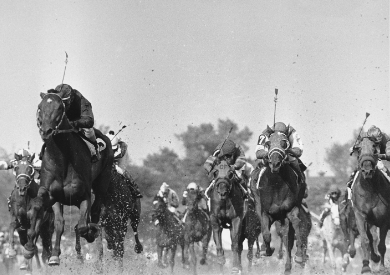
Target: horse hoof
point(11, 253)
point(202, 261)
point(54, 260)
point(23, 266)
point(270, 252)
point(298, 259)
point(138, 248)
point(375, 258)
point(287, 272)
point(28, 253)
point(236, 270)
point(258, 255)
point(366, 269)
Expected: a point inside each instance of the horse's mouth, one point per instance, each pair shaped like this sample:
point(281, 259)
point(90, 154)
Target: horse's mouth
point(367, 174)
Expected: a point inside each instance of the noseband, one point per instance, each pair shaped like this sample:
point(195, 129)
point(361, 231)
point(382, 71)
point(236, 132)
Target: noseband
point(29, 178)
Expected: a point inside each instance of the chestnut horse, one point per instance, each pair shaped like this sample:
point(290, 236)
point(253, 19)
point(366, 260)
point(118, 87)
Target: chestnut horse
point(277, 197)
point(370, 198)
point(227, 211)
point(67, 175)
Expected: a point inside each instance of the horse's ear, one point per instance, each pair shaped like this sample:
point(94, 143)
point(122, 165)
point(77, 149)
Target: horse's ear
point(17, 157)
point(31, 158)
point(269, 129)
point(43, 95)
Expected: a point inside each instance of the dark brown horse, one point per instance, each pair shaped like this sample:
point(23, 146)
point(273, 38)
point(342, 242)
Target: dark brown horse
point(22, 201)
point(170, 233)
point(197, 228)
point(370, 198)
point(67, 175)
point(251, 229)
point(276, 191)
point(227, 211)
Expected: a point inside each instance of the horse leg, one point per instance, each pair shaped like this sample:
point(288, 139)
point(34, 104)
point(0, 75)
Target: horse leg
point(257, 248)
point(205, 245)
point(293, 216)
point(251, 241)
point(362, 227)
point(159, 256)
point(193, 257)
point(279, 233)
point(325, 249)
point(172, 257)
point(89, 230)
point(186, 251)
point(374, 253)
point(265, 229)
point(46, 233)
point(11, 250)
point(78, 245)
point(288, 242)
point(382, 245)
point(217, 231)
point(59, 222)
point(134, 221)
point(235, 232)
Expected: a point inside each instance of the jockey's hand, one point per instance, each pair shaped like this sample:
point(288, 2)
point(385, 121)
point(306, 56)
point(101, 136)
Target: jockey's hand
point(165, 199)
point(382, 156)
point(185, 194)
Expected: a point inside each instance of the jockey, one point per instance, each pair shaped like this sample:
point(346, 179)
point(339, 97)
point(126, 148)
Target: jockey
point(170, 198)
point(332, 196)
point(382, 142)
point(232, 153)
point(120, 161)
point(79, 113)
point(294, 152)
point(202, 205)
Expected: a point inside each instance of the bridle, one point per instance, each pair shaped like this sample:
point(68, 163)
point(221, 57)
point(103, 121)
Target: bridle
point(56, 130)
point(280, 151)
point(28, 177)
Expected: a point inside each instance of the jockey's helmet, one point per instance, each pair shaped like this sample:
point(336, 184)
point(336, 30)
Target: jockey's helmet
point(164, 187)
point(65, 92)
point(228, 148)
point(375, 134)
point(24, 152)
point(114, 139)
point(280, 127)
point(334, 191)
point(192, 185)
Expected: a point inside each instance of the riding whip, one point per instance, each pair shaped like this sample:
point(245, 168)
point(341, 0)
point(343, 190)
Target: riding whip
point(276, 100)
point(63, 76)
point(123, 127)
point(354, 144)
point(223, 143)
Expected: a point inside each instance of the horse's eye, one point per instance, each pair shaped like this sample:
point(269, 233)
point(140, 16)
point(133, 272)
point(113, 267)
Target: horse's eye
point(216, 172)
point(230, 175)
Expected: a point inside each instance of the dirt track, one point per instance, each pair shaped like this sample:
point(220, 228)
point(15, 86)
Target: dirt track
point(145, 263)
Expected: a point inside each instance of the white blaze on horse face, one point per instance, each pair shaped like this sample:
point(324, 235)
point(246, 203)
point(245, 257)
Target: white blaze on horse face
point(49, 100)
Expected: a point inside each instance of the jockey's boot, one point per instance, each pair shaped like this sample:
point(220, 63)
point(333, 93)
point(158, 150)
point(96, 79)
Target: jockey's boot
point(351, 178)
point(301, 178)
point(90, 134)
point(323, 215)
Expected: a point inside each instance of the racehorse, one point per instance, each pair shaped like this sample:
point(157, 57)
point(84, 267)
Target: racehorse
point(21, 202)
point(370, 198)
point(169, 234)
point(251, 229)
point(351, 232)
point(227, 211)
point(67, 174)
point(197, 228)
point(305, 227)
point(277, 197)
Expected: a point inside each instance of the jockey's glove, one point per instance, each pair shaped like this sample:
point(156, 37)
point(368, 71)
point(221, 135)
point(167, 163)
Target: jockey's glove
point(185, 194)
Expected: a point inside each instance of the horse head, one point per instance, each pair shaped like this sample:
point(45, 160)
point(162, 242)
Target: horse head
point(277, 145)
point(223, 176)
point(367, 157)
point(24, 173)
point(50, 115)
point(160, 209)
point(192, 199)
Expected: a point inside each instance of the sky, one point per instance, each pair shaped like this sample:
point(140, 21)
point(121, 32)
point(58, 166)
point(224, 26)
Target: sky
point(160, 66)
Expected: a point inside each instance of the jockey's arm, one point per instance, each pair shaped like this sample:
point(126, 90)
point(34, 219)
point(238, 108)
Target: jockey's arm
point(241, 159)
point(5, 165)
point(210, 163)
point(86, 119)
point(261, 149)
point(296, 146)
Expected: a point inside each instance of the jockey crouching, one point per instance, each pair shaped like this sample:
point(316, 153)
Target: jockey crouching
point(332, 196)
point(293, 152)
point(78, 110)
point(382, 143)
point(234, 155)
point(202, 204)
point(170, 198)
point(120, 161)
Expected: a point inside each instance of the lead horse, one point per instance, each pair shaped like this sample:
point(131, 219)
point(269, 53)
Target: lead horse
point(277, 194)
point(67, 175)
point(370, 198)
point(227, 211)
